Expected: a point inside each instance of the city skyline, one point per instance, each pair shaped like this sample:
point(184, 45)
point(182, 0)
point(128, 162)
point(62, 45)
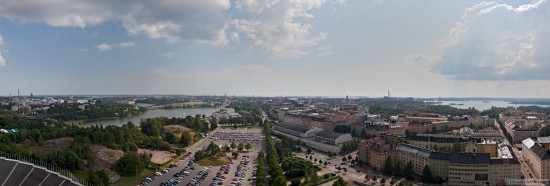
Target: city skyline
point(279, 48)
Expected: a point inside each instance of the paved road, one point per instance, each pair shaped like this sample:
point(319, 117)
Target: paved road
point(525, 170)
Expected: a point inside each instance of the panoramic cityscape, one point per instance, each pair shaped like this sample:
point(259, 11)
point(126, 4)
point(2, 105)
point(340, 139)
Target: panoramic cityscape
point(279, 93)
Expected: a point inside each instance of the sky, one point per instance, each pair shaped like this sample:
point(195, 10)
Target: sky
point(428, 48)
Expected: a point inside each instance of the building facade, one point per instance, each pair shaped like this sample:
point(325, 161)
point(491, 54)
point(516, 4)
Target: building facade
point(416, 155)
point(439, 164)
point(469, 169)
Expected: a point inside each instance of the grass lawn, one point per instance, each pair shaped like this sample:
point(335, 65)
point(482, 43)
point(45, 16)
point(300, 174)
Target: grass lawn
point(214, 161)
point(131, 180)
point(75, 122)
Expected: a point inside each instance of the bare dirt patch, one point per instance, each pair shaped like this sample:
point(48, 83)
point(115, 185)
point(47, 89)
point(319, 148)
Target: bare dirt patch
point(158, 157)
point(58, 144)
point(104, 157)
point(177, 130)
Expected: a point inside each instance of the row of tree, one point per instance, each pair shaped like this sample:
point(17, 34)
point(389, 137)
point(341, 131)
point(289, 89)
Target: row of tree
point(68, 112)
point(275, 170)
point(211, 150)
point(349, 146)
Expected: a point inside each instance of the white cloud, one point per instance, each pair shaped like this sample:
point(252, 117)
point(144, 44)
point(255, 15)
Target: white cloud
point(255, 68)
point(2, 61)
point(494, 41)
point(235, 38)
point(104, 47)
point(275, 28)
point(168, 55)
point(325, 51)
point(165, 19)
point(127, 44)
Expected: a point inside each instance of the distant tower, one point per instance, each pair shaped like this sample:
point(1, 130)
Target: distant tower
point(17, 93)
point(31, 95)
point(347, 97)
point(389, 94)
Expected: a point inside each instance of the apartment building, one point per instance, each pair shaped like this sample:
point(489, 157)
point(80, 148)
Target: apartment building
point(469, 169)
point(418, 156)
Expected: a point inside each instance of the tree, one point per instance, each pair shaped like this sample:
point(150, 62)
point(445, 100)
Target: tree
point(340, 182)
point(457, 147)
point(315, 160)
point(129, 164)
point(325, 164)
point(178, 152)
point(295, 182)
point(213, 125)
point(438, 180)
point(308, 150)
point(279, 180)
point(345, 170)
point(313, 175)
point(408, 171)
point(383, 180)
point(240, 147)
point(320, 162)
point(344, 159)
point(170, 138)
point(295, 167)
point(235, 155)
point(233, 145)
point(397, 170)
point(374, 178)
point(186, 139)
point(349, 157)
point(227, 148)
point(388, 166)
point(434, 129)
point(426, 175)
point(248, 146)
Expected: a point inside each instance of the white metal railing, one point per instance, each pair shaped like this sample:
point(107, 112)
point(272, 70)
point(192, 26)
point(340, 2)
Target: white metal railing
point(48, 167)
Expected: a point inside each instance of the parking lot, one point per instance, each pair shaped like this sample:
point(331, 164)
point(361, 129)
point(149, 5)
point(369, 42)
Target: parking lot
point(239, 172)
point(253, 136)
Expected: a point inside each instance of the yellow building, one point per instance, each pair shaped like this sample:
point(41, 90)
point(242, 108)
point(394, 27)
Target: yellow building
point(418, 156)
point(483, 146)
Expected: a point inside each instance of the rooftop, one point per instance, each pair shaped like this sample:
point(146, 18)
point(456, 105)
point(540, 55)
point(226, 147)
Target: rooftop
point(414, 150)
point(543, 139)
point(329, 135)
point(440, 155)
point(470, 158)
point(294, 127)
point(528, 142)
